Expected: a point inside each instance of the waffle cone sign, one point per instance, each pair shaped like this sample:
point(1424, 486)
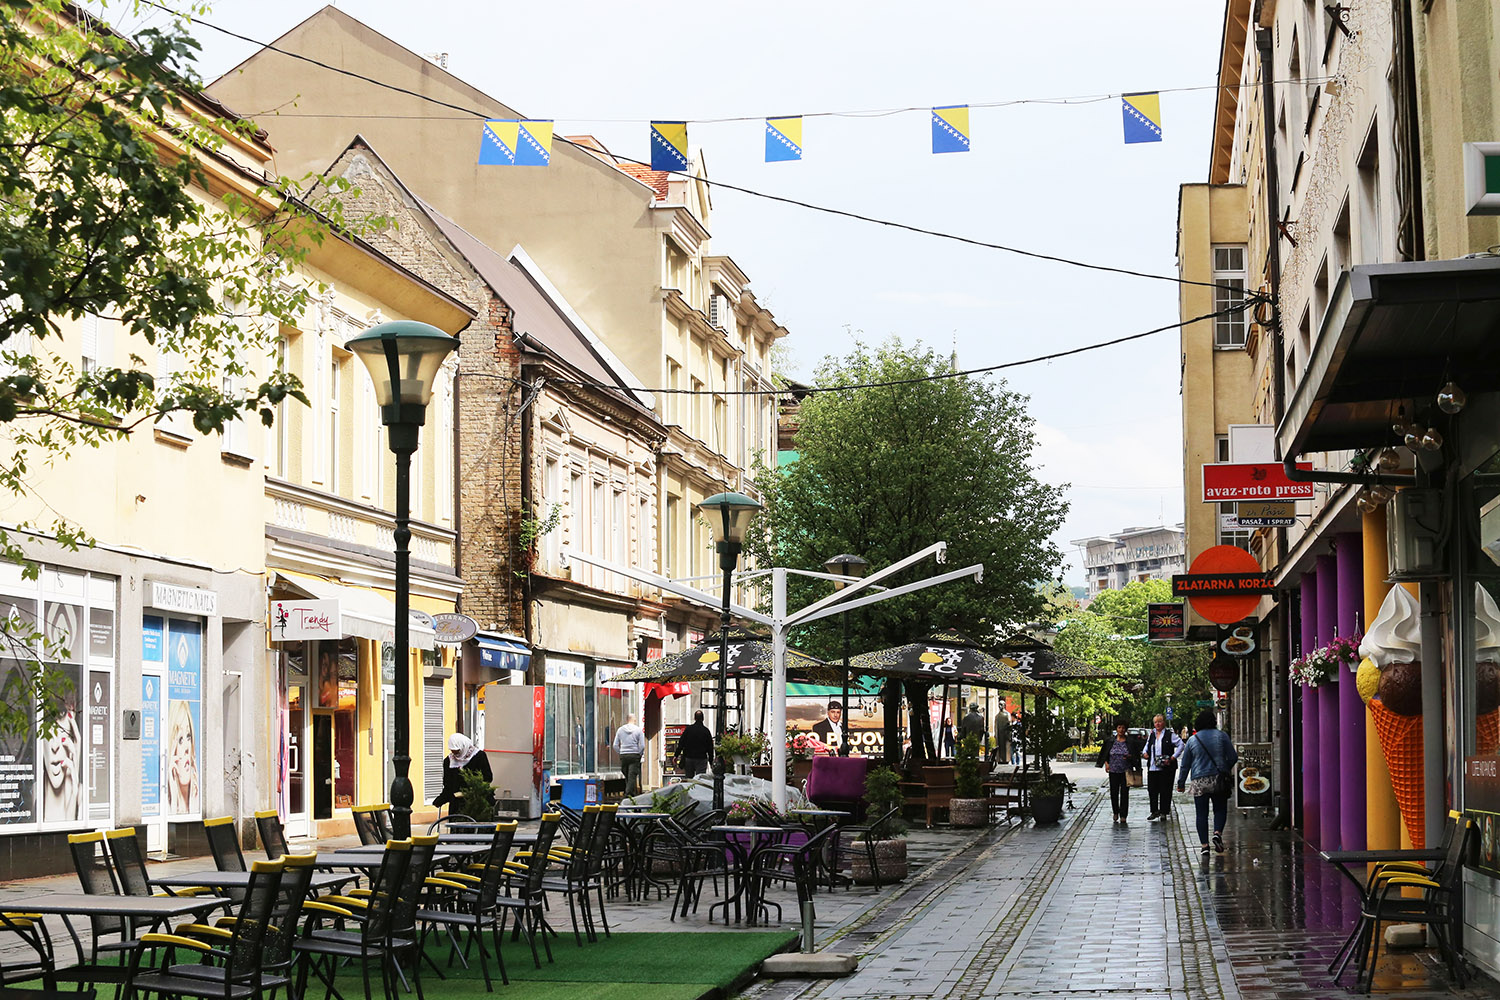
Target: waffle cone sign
point(1401, 741)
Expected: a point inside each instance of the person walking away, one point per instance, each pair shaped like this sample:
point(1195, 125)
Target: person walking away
point(1162, 748)
point(695, 747)
point(1002, 737)
point(1017, 736)
point(1207, 773)
point(630, 744)
point(1120, 753)
point(463, 755)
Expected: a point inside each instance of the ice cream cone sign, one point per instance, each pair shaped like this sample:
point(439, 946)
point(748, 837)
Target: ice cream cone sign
point(1389, 680)
point(1486, 672)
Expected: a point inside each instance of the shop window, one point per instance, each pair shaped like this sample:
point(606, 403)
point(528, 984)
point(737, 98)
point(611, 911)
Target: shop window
point(434, 739)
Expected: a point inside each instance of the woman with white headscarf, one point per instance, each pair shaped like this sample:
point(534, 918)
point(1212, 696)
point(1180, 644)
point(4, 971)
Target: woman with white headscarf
point(462, 755)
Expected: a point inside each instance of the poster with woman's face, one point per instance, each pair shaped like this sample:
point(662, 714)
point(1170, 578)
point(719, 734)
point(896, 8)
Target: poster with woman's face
point(62, 797)
point(184, 703)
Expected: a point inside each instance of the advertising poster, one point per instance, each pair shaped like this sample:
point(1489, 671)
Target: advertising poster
point(184, 742)
point(102, 633)
point(99, 738)
point(63, 799)
point(17, 755)
point(1253, 778)
point(151, 742)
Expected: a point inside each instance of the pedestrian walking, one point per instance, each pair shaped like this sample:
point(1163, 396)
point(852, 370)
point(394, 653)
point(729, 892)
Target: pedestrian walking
point(1017, 737)
point(1207, 772)
point(630, 744)
point(1162, 749)
point(1119, 754)
point(695, 747)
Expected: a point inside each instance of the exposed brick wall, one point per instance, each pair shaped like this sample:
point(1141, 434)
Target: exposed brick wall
point(488, 425)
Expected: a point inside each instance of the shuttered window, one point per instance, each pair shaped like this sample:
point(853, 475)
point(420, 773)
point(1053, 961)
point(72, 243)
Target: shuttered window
point(434, 740)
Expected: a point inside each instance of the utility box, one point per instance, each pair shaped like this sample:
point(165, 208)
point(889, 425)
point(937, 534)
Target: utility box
point(514, 723)
point(579, 791)
point(1414, 523)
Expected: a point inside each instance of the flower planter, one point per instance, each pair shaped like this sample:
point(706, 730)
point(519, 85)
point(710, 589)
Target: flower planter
point(1046, 809)
point(890, 861)
point(968, 812)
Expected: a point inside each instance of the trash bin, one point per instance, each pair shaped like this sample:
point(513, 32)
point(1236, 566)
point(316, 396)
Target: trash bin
point(579, 791)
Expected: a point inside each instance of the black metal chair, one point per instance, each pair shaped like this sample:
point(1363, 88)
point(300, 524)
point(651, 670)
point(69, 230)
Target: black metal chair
point(367, 825)
point(795, 864)
point(272, 833)
point(129, 865)
point(323, 950)
point(224, 844)
point(382, 814)
point(861, 835)
point(527, 900)
point(242, 952)
point(582, 864)
point(476, 907)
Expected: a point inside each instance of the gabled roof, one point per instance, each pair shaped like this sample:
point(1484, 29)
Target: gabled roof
point(535, 315)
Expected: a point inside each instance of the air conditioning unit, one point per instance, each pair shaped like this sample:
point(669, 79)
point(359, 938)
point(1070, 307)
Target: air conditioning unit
point(1414, 522)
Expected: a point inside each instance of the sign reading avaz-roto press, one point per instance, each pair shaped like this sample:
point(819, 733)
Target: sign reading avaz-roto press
point(1224, 482)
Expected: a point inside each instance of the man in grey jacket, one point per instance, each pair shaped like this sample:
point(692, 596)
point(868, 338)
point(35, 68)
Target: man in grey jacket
point(630, 744)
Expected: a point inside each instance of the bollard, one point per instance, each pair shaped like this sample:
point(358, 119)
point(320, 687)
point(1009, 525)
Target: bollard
point(809, 940)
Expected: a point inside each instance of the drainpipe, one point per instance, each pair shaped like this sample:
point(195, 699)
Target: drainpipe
point(1296, 475)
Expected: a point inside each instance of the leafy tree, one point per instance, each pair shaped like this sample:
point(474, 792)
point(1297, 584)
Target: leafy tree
point(106, 211)
point(918, 457)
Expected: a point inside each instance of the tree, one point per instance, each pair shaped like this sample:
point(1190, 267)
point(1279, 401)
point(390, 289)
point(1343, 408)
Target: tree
point(106, 212)
point(917, 456)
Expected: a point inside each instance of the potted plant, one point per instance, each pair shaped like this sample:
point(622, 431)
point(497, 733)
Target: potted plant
point(1043, 737)
point(478, 796)
point(968, 807)
point(742, 749)
point(883, 840)
point(800, 750)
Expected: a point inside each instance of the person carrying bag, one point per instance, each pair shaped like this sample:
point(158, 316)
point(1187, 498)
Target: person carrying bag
point(1207, 772)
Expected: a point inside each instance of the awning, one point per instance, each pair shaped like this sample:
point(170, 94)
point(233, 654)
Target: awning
point(1391, 336)
point(502, 652)
point(364, 613)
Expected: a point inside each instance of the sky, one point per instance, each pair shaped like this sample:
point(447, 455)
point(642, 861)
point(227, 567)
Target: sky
point(1046, 176)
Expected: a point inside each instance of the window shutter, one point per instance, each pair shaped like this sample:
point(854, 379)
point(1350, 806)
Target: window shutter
point(434, 743)
point(89, 330)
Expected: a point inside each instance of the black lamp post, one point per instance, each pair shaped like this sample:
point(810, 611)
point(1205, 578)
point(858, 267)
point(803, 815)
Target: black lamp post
point(851, 568)
point(728, 514)
point(403, 358)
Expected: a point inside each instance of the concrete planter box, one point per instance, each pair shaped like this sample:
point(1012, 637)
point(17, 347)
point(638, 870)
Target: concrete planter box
point(968, 812)
point(890, 859)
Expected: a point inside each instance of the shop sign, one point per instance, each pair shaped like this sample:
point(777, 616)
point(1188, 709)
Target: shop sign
point(1223, 584)
point(293, 621)
point(1227, 481)
point(1253, 777)
point(183, 600)
point(1165, 622)
point(1482, 802)
point(1224, 673)
point(454, 629)
point(1266, 514)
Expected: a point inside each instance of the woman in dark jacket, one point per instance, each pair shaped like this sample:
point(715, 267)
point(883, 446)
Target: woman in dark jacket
point(463, 755)
point(1120, 753)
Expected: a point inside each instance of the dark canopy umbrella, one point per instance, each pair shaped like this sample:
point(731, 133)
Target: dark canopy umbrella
point(946, 657)
point(1039, 661)
point(749, 657)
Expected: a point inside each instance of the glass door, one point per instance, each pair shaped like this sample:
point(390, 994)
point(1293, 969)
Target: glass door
point(296, 800)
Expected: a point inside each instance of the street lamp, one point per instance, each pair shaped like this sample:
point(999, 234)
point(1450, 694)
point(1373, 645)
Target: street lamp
point(850, 568)
point(728, 515)
point(403, 358)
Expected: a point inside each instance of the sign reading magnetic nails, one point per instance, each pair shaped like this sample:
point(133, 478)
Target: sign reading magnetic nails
point(453, 629)
point(1223, 584)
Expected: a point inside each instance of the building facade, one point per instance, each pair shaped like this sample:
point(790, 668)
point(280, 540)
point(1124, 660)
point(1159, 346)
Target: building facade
point(1112, 561)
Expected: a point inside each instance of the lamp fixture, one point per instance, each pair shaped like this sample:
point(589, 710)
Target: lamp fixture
point(1388, 460)
point(1432, 440)
point(1451, 399)
point(1399, 427)
point(1413, 436)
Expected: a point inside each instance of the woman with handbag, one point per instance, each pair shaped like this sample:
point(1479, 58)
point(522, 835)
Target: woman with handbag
point(1207, 773)
point(1120, 756)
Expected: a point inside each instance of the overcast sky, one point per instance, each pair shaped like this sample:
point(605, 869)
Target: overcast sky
point(1047, 177)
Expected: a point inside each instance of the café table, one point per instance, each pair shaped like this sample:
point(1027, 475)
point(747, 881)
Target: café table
point(156, 909)
point(742, 842)
point(234, 880)
point(1347, 862)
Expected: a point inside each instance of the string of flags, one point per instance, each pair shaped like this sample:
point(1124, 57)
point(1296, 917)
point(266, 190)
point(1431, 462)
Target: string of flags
point(528, 142)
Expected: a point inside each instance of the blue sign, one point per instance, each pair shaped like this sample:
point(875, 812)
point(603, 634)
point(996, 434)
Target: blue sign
point(151, 638)
point(1168, 713)
point(150, 744)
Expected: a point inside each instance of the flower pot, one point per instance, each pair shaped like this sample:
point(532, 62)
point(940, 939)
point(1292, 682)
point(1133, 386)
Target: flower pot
point(890, 862)
point(968, 812)
point(1046, 808)
point(800, 770)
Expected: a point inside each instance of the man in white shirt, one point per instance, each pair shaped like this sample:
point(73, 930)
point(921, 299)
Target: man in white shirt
point(1160, 758)
point(830, 731)
point(630, 744)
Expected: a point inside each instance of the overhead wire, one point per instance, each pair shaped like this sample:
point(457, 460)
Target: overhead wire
point(1252, 297)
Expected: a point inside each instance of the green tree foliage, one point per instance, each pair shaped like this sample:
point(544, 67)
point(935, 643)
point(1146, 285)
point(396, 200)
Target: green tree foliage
point(886, 471)
point(1109, 633)
point(105, 211)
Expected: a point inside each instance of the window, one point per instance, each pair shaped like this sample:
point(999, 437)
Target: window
point(721, 426)
point(442, 455)
point(335, 368)
point(577, 529)
point(695, 427)
point(1221, 447)
point(1230, 533)
point(1338, 255)
point(672, 404)
point(551, 497)
point(92, 330)
point(235, 437)
point(279, 438)
point(597, 514)
point(1229, 293)
point(670, 542)
point(619, 531)
point(1319, 303)
point(643, 545)
point(1369, 198)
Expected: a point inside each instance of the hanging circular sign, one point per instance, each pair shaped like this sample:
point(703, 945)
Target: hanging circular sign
point(1230, 564)
point(453, 629)
point(1223, 673)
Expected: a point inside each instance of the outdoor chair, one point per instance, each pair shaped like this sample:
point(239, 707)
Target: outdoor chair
point(240, 950)
point(272, 833)
point(524, 883)
point(794, 864)
point(324, 950)
point(129, 865)
point(937, 788)
point(475, 907)
point(91, 862)
point(382, 814)
point(585, 869)
point(30, 930)
point(367, 825)
point(860, 835)
point(838, 783)
point(697, 861)
point(224, 844)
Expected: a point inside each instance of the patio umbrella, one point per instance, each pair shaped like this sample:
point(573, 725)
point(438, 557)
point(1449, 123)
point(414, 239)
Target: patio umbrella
point(947, 657)
point(1039, 661)
point(749, 657)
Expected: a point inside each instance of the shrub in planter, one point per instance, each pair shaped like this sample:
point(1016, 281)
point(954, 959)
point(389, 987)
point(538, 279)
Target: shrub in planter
point(884, 839)
point(968, 806)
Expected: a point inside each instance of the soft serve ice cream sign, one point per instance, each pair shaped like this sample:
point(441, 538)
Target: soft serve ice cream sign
point(1390, 683)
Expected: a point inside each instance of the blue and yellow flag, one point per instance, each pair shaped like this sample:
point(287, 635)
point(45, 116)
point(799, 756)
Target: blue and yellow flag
point(669, 146)
point(783, 139)
point(520, 143)
point(950, 129)
point(1142, 117)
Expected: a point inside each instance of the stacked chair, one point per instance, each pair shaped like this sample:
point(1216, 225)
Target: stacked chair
point(475, 905)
